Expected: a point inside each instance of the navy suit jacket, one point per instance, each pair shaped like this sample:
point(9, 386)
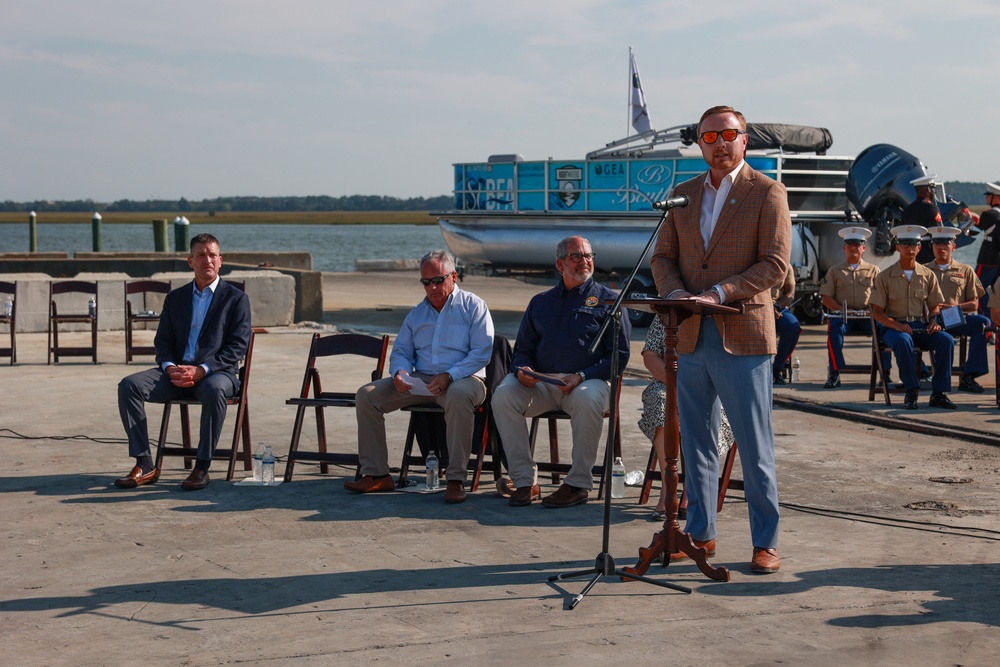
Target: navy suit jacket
point(224, 336)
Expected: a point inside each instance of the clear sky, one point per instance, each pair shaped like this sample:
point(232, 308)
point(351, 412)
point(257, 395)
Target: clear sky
point(118, 99)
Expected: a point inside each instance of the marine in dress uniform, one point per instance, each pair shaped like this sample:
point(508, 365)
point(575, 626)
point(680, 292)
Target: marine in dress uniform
point(847, 284)
point(960, 286)
point(903, 300)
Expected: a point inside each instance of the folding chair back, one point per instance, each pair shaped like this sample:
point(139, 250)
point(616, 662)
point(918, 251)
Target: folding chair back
point(142, 312)
point(312, 395)
point(81, 314)
point(8, 292)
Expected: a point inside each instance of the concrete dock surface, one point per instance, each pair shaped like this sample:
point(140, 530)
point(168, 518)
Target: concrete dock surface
point(890, 541)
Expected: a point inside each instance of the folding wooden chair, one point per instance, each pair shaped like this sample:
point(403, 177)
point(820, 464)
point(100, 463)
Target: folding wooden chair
point(653, 474)
point(141, 313)
point(427, 426)
point(878, 373)
point(55, 319)
point(241, 432)
point(7, 288)
point(313, 396)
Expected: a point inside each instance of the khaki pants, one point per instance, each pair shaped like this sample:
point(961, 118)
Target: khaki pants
point(459, 401)
point(585, 405)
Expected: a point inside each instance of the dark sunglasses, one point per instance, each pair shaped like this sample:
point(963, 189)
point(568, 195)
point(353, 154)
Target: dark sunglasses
point(578, 257)
point(437, 280)
point(727, 135)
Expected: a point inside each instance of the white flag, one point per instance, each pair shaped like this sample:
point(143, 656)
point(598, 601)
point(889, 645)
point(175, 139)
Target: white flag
point(640, 114)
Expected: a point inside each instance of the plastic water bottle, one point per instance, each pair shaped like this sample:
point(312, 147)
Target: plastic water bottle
point(92, 307)
point(8, 307)
point(618, 479)
point(258, 463)
point(796, 365)
point(267, 466)
point(432, 470)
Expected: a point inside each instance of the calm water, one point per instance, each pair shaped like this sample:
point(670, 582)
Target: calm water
point(333, 247)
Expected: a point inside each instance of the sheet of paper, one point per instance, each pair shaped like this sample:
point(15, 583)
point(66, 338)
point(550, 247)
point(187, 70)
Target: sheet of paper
point(551, 379)
point(417, 386)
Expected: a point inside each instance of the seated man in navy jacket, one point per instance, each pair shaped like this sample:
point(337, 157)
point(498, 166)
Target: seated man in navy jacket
point(203, 333)
point(554, 339)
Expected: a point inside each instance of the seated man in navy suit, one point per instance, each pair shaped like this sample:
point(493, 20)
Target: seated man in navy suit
point(203, 333)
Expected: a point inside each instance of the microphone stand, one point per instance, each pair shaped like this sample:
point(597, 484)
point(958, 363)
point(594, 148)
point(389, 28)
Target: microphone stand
point(604, 565)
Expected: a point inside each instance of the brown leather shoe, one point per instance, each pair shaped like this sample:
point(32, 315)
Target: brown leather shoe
point(523, 496)
point(566, 496)
point(455, 493)
point(708, 546)
point(765, 561)
point(137, 478)
point(369, 484)
point(197, 480)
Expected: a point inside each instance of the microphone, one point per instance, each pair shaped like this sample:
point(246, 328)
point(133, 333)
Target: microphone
point(673, 202)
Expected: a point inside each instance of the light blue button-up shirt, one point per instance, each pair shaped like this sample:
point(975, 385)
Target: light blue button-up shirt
point(458, 340)
point(201, 301)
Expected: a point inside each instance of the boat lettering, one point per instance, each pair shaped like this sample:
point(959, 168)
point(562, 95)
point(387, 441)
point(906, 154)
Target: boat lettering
point(654, 174)
point(609, 169)
point(881, 163)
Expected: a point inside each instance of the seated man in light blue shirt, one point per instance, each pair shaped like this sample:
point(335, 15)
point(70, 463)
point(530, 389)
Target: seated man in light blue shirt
point(446, 342)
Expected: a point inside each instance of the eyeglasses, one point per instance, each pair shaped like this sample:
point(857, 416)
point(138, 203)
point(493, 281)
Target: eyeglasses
point(727, 135)
point(578, 257)
point(436, 280)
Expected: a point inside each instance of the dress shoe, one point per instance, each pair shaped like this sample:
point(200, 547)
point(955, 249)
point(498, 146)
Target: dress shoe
point(765, 561)
point(940, 399)
point(968, 383)
point(137, 478)
point(455, 493)
point(369, 484)
point(523, 495)
point(566, 496)
point(198, 479)
point(910, 402)
point(833, 381)
point(778, 379)
point(708, 546)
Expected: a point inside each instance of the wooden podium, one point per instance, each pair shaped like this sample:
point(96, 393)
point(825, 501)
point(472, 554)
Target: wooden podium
point(671, 539)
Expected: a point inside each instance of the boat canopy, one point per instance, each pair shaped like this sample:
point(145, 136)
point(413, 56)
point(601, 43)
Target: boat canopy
point(762, 137)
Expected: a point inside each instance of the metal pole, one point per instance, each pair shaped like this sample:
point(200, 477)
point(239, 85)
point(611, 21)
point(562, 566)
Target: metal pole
point(95, 224)
point(32, 232)
point(182, 228)
point(160, 236)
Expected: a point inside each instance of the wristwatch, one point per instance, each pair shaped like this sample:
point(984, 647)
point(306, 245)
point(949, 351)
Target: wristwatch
point(583, 376)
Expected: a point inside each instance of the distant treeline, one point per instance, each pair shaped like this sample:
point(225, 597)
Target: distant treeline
point(237, 204)
point(968, 192)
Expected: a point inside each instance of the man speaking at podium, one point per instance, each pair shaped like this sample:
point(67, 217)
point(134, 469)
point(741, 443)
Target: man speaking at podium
point(729, 246)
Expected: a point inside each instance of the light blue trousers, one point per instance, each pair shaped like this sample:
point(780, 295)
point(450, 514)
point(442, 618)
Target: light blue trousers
point(743, 384)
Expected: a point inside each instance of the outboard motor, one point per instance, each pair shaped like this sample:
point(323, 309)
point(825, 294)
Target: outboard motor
point(878, 185)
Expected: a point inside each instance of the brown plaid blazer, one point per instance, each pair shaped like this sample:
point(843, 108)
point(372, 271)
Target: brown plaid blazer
point(747, 255)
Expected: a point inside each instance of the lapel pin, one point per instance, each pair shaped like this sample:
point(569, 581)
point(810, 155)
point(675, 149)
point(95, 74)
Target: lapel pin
point(732, 201)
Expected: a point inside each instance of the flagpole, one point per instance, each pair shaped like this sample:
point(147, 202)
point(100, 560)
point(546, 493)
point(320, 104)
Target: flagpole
point(628, 105)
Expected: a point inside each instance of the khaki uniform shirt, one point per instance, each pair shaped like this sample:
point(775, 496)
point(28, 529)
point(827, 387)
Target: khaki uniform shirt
point(958, 283)
point(903, 299)
point(851, 285)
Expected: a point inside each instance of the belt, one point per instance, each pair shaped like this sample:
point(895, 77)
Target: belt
point(911, 320)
